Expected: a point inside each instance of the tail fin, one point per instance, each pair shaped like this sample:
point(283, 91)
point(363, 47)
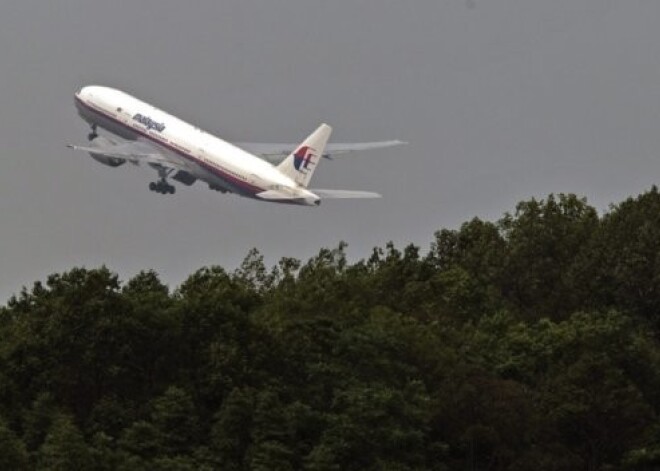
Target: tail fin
point(300, 164)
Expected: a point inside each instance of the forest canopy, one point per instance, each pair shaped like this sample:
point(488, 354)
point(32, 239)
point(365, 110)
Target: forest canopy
point(531, 342)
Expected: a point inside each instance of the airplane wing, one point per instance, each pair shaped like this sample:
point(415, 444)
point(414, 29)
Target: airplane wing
point(343, 194)
point(134, 152)
point(276, 153)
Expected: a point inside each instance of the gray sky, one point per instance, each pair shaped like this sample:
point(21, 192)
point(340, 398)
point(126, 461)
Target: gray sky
point(501, 100)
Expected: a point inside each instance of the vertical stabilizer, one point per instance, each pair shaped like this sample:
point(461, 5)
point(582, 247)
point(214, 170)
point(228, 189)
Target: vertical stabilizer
point(300, 164)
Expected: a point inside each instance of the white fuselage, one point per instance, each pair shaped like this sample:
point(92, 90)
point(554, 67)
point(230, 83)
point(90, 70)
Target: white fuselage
point(206, 157)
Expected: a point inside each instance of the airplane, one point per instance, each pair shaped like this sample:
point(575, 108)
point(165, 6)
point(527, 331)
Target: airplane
point(141, 133)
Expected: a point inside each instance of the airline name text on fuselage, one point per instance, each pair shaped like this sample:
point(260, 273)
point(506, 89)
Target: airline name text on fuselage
point(149, 123)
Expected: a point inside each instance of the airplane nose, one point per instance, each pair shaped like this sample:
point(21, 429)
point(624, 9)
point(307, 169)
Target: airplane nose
point(85, 92)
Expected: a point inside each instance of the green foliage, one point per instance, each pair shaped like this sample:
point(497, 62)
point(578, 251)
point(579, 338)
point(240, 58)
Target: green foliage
point(230, 437)
point(544, 241)
point(175, 418)
point(527, 343)
point(13, 454)
point(64, 447)
point(626, 271)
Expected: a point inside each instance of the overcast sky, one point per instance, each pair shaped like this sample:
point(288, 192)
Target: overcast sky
point(501, 100)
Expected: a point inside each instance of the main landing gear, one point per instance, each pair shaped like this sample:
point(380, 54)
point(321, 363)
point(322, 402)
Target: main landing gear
point(92, 135)
point(161, 186)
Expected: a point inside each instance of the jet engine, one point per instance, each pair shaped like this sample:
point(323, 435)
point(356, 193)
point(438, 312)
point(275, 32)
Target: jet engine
point(101, 141)
point(109, 161)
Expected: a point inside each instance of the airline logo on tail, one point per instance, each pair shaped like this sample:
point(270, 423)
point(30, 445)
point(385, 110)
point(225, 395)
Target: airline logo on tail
point(303, 158)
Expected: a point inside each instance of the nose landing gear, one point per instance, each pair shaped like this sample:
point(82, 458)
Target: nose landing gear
point(92, 135)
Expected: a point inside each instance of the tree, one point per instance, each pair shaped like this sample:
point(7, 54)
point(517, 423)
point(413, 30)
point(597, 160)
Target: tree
point(530, 343)
point(625, 271)
point(270, 435)
point(213, 310)
point(13, 454)
point(174, 416)
point(544, 240)
point(231, 433)
point(64, 448)
point(469, 264)
point(141, 442)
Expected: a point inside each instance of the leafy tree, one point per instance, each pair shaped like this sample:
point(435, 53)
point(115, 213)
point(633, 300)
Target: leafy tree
point(175, 418)
point(64, 448)
point(103, 452)
point(469, 265)
point(544, 239)
point(270, 435)
point(215, 329)
point(13, 454)
point(38, 420)
point(254, 274)
point(141, 442)
point(527, 343)
point(230, 435)
point(625, 269)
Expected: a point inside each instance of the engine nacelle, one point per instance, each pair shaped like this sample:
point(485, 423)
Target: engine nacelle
point(218, 188)
point(109, 161)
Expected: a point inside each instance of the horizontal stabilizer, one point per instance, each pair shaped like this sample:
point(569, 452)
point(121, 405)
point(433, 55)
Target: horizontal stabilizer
point(344, 194)
point(333, 149)
point(275, 153)
point(276, 195)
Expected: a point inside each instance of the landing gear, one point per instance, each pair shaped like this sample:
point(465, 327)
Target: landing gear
point(92, 135)
point(162, 187)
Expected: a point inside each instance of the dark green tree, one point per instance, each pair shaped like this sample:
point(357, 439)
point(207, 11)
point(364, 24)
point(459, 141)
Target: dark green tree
point(174, 416)
point(13, 454)
point(544, 241)
point(64, 448)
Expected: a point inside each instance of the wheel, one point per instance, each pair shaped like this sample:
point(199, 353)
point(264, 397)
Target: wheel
point(91, 136)
point(172, 189)
point(152, 186)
